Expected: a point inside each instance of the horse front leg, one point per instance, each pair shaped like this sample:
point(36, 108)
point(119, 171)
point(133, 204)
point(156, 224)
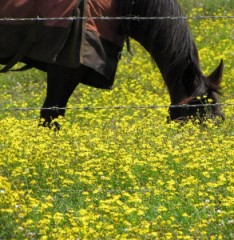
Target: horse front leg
point(61, 82)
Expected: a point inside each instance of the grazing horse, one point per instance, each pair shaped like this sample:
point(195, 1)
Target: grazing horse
point(87, 50)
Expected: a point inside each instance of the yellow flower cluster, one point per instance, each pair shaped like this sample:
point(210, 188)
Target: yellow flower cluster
point(142, 179)
point(123, 173)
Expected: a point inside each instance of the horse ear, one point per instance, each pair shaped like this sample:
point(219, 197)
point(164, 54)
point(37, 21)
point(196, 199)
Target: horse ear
point(216, 76)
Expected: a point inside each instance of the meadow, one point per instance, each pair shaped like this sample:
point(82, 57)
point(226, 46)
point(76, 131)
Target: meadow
point(119, 173)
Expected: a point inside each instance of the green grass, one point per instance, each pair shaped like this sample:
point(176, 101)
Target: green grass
point(208, 6)
point(119, 174)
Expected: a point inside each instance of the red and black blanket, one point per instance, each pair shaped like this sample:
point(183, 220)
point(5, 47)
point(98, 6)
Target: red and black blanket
point(92, 42)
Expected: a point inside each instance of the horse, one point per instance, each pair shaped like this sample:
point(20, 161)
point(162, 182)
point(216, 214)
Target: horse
point(168, 40)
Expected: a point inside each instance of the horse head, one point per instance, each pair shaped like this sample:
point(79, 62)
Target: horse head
point(203, 102)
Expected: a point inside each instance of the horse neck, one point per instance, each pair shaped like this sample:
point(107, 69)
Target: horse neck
point(170, 44)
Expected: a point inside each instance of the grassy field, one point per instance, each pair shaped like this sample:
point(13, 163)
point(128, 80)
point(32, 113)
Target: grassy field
point(119, 174)
point(208, 6)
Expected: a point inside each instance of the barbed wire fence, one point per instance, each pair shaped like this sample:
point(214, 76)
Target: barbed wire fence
point(107, 18)
point(87, 108)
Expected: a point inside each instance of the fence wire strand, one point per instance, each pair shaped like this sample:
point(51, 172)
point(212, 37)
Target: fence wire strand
point(107, 18)
point(100, 190)
point(87, 108)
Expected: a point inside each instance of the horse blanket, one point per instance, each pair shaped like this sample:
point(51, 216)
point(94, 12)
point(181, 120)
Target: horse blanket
point(94, 43)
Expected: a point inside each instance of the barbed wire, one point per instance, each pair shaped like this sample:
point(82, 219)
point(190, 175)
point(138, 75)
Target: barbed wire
point(107, 18)
point(100, 190)
point(87, 108)
point(133, 18)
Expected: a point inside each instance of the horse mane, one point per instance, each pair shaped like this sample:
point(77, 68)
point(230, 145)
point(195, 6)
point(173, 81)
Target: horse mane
point(171, 36)
point(169, 41)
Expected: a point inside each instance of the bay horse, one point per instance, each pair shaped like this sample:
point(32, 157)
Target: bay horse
point(169, 42)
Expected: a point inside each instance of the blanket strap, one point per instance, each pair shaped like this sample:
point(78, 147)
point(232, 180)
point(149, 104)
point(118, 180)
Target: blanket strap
point(128, 45)
point(128, 29)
